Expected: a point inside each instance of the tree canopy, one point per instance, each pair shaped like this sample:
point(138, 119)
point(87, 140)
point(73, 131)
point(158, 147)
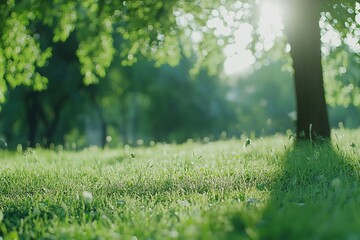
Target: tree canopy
point(155, 29)
point(161, 31)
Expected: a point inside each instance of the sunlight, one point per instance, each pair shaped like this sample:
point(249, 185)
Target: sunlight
point(238, 57)
point(239, 62)
point(228, 23)
point(270, 24)
point(271, 12)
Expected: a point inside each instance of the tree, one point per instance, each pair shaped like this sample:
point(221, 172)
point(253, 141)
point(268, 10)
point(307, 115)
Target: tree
point(45, 115)
point(159, 30)
point(304, 39)
point(304, 36)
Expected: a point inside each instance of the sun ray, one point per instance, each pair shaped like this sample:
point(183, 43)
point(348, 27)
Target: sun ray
point(270, 23)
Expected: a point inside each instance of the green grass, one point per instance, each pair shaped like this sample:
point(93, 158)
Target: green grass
point(221, 190)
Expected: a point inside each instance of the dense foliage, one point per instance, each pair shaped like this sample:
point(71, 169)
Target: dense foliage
point(153, 29)
point(50, 51)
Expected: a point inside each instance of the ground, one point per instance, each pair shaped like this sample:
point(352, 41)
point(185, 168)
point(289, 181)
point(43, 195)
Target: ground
point(268, 189)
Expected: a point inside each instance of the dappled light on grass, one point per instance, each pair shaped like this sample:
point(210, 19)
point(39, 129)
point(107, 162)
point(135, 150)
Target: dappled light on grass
point(188, 191)
point(241, 188)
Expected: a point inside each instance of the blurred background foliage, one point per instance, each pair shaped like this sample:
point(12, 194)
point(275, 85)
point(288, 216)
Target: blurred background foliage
point(107, 73)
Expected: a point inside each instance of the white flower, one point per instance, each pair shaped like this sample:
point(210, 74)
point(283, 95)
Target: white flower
point(336, 183)
point(88, 197)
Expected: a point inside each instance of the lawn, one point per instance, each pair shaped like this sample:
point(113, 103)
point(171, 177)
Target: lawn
point(218, 190)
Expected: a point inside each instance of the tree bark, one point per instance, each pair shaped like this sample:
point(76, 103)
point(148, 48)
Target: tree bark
point(303, 33)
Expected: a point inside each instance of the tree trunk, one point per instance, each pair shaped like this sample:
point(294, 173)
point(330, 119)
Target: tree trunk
point(31, 108)
point(103, 125)
point(303, 33)
point(50, 128)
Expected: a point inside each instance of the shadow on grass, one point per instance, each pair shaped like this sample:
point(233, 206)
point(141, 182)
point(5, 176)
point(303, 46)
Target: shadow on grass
point(316, 196)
